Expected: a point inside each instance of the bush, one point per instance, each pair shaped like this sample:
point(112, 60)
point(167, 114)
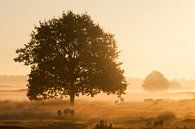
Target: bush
point(164, 118)
point(104, 125)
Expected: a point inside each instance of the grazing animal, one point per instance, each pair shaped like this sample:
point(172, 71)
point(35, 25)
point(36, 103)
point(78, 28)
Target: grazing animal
point(59, 113)
point(68, 111)
point(117, 101)
point(71, 112)
point(120, 100)
point(159, 100)
point(154, 101)
point(148, 100)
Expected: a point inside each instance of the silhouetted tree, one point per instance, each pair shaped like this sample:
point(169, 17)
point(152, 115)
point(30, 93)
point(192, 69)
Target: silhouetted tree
point(71, 55)
point(155, 81)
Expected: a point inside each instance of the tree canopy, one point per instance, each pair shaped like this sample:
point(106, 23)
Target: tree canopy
point(69, 56)
point(155, 81)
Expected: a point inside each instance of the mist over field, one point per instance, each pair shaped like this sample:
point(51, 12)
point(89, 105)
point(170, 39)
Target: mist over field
point(14, 88)
point(176, 110)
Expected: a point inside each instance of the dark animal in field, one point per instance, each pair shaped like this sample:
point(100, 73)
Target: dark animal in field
point(116, 102)
point(159, 100)
point(119, 100)
point(72, 112)
point(59, 113)
point(154, 101)
point(68, 111)
point(148, 100)
point(122, 99)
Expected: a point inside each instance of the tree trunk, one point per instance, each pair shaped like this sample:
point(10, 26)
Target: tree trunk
point(72, 99)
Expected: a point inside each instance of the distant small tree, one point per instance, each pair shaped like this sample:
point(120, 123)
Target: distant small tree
point(155, 81)
point(71, 56)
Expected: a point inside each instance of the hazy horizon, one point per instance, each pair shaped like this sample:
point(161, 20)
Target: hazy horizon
point(151, 35)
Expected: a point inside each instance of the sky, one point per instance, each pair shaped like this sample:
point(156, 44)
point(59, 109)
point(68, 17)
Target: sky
point(151, 34)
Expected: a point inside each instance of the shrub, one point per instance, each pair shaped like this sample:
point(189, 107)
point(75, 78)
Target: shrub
point(164, 118)
point(103, 125)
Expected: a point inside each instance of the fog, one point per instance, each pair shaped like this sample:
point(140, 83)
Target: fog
point(13, 88)
point(140, 109)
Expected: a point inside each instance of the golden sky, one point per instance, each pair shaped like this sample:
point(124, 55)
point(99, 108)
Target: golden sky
point(151, 34)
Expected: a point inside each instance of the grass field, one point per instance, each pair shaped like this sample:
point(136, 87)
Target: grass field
point(168, 114)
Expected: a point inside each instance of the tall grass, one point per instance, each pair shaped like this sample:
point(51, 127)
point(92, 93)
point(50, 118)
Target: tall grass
point(134, 115)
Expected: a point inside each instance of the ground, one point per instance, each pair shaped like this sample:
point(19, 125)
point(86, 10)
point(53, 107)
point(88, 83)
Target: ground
point(134, 115)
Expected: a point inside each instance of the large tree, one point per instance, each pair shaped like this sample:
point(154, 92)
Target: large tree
point(155, 81)
point(71, 56)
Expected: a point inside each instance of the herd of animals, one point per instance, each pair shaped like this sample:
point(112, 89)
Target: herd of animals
point(66, 112)
point(71, 111)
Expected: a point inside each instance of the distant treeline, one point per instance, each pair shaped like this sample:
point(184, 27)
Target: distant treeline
point(185, 83)
point(19, 80)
